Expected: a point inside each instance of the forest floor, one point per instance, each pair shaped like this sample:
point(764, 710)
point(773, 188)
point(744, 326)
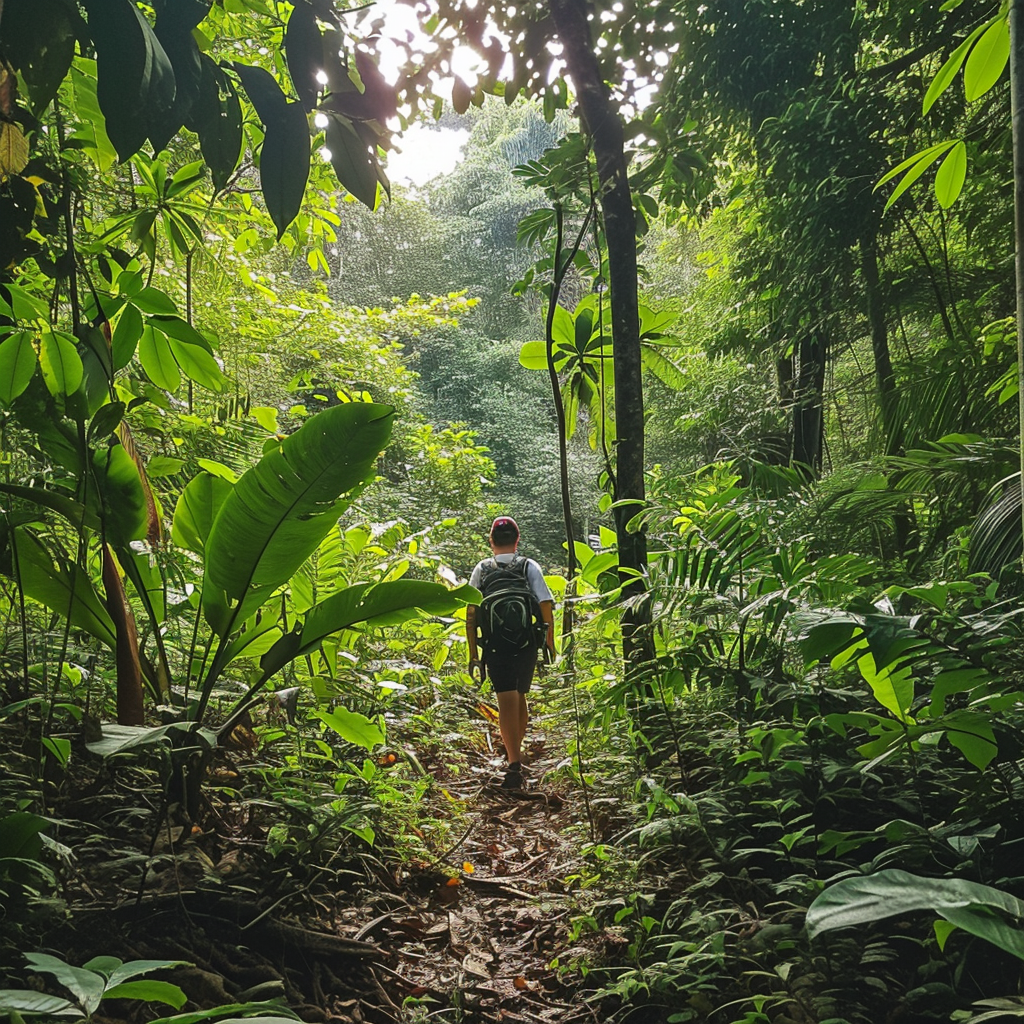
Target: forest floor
point(467, 933)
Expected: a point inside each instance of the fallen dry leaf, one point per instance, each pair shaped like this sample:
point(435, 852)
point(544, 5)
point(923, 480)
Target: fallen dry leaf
point(476, 967)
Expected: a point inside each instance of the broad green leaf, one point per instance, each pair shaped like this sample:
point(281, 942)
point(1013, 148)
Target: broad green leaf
point(284, 165)
point(20, 835)
point(29, 1003)
point(57, 501)
point(196, 510)
point(60, 362)
point(654, 322)
point(971, 733)
point(353, 163)
point(606, 562)
point(943, 930)
point(985, 923)
point(125, 511)
point(85, 986)
point(262, 89)
point(280, 1015)
point(117, 739)
point(534, 355)
point(152, 300)
point(279, 511)
point(945, 75)
point(181, 330)
point(147, 578)
point(127, 333)
point(197, 364)
point(61, 589)
point(665, 369)
point(584, 552)
point(17, 364)
point(924, 161)
point(563, 328)
point(954, 681)
point(218, 469)
point(892, 893)
point(185, 179)
point(934, 151)
point(256, 641)
point(91, 132)
point(26, 306)
point(216, 117)
point(950, 177)
point(163, 465)
point(149, 990)
point(135, 80)
point(42, 58)
point(104, 965)
point(266, 417)
point(106, 421)
point(352, 727)
point(158, 361)
point(382, 603)
point(822, 641)
point(893, 687)
point(989, 56)
point(304, 49)
point(583, 328)
point(174, 28)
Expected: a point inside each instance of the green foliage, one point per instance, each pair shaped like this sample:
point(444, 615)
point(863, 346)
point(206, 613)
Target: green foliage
point(103, 977)
point(891, 893)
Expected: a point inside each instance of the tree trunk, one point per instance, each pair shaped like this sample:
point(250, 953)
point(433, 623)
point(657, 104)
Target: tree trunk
point(130, 709)
point(808, 418)
point(605, 127)
point(885, 379)
point(1017, 107)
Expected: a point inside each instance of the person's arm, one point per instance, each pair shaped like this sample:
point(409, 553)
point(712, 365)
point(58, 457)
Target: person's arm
point(547, 611)
point(471, 631)
point(471, 640)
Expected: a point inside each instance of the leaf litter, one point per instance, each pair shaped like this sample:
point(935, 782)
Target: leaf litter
point(356, 935)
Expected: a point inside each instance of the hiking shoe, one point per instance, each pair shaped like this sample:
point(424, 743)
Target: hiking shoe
point(513, 777)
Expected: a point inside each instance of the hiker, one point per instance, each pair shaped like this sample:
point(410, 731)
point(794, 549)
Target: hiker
point(514, 621)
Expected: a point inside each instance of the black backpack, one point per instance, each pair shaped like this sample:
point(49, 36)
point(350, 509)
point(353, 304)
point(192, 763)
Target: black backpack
point(510, 619)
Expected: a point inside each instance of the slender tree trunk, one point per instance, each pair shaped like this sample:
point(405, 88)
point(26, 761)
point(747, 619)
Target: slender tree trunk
point(1017, 106)
point(605, 128)
point(556, 394)
point(885, 379)
point(808, 418)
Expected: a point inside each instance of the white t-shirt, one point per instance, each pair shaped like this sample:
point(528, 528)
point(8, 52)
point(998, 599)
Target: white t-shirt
point(534, 575)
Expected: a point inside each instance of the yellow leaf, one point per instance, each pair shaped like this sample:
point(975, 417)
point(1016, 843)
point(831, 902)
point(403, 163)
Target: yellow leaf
point(467, 867)
point(13, 150)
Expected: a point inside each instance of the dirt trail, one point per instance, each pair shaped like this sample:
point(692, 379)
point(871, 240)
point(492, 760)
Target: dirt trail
point(477, 931)
point(466, 936)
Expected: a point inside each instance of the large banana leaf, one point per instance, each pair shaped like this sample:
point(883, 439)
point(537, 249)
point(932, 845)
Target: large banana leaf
point(64, 589)
point(125, 512)
point(197, 509)
point(864, 899)
point(380, 604)
point(279, 511)
point(73, 511)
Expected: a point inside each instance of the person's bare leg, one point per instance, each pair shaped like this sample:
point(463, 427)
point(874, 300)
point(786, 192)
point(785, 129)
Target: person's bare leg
point(524, 718)
point(511, 723)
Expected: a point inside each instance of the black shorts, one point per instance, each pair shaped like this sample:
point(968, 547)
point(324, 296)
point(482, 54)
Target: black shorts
point(512, 672)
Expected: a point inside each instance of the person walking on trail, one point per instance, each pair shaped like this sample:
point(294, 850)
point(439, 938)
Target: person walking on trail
point(505, 632)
